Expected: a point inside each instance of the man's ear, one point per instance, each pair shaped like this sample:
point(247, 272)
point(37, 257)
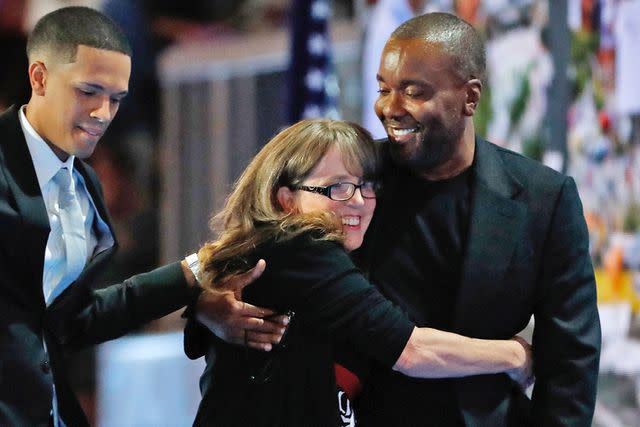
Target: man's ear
point(473, 90)
point(38, 77)
point(286, 199)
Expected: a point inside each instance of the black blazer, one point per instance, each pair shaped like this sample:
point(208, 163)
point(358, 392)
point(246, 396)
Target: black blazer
point(79, 316)
point(527, 254)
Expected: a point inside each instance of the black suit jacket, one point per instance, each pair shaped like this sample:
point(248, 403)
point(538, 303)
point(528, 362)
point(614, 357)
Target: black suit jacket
point(527, 254)
point(81, 315)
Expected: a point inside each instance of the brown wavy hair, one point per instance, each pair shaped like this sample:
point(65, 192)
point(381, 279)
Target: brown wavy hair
point(252, 214)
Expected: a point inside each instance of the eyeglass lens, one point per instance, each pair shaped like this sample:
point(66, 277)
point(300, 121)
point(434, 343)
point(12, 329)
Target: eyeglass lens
point(345, 190)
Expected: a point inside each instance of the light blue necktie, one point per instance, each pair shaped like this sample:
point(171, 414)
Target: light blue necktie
point(73, 231)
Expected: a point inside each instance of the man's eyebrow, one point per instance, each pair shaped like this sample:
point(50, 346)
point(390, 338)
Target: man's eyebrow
point(414, 82)
point(92, 85)
point(406, 82)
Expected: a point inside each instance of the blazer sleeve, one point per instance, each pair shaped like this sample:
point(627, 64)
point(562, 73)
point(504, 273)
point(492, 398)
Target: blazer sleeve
point(566, 339)
point(97, 315)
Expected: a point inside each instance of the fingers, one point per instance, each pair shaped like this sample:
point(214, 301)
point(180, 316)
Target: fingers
point(259, 345)
point(229, 318)
point(264, 314)
point(251, 340)
point(237, 282)
point(257, 271)
point(260, 334)
point(264, 326)
point(261, 339)
point(281, 320)
point(248, 310)
point(254, 339)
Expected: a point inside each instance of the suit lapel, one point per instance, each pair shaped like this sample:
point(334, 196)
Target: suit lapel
point(23, 184)
point(496, 219)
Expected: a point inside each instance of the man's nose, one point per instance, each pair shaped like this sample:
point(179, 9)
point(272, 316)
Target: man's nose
point(102, 112)
point(393, 106)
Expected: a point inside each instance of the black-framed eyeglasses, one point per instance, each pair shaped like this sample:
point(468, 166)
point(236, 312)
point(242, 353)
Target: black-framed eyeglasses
point(342, 191)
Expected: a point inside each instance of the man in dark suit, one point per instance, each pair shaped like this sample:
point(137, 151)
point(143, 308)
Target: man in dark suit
point(474, 239)
point(56, 232)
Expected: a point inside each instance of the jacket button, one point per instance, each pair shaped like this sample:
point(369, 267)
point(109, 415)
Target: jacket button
point(45, 366)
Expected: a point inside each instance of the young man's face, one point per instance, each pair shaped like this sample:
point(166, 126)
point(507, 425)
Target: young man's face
point(81, 99)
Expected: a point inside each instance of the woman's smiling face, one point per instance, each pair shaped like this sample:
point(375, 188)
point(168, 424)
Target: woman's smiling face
point(355, 213)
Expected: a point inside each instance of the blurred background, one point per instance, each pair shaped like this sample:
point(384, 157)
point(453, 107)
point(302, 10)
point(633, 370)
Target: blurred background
point(212, 81)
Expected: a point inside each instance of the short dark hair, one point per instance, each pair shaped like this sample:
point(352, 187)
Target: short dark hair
point(454, 36)
point(63, 30)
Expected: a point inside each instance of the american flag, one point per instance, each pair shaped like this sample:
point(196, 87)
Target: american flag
point(313, 84)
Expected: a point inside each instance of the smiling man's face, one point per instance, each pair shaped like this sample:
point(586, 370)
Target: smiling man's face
point(421, 104)
point(79, 99)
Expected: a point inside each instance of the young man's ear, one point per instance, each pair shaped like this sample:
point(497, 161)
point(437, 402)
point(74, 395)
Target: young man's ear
point(38, 77)
point(286, 199)
point(473, 90)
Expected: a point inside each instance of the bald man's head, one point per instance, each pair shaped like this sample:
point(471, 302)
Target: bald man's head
point(453, 36)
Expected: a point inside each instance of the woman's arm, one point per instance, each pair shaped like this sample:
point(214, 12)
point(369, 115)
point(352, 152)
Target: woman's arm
point(431, 353)
point(319, 282)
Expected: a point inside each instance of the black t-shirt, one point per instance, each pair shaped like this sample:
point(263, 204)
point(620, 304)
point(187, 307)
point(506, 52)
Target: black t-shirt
point(414, 252)
point(418, 254)
point(295, 385)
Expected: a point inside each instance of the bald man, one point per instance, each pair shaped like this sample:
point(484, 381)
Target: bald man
point(474, 239)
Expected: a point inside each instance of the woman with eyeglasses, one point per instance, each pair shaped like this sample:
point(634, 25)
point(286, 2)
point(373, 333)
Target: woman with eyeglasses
point(302, 204)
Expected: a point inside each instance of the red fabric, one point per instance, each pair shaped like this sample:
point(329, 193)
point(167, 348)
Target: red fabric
point(604, 120)
point(12, 14)
point(347, 381)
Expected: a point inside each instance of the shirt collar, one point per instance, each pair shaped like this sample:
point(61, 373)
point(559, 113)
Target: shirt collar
point(45, 162)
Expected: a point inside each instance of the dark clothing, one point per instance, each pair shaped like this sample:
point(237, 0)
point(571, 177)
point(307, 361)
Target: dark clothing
point(79, 316)
point(423, 233)
point(525, 253)
point(294, 385)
